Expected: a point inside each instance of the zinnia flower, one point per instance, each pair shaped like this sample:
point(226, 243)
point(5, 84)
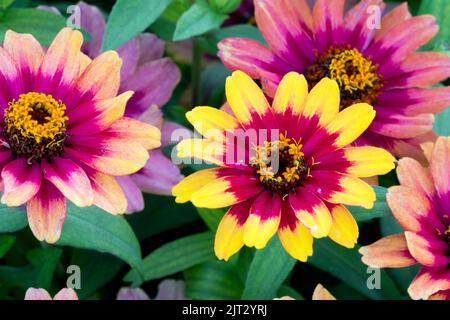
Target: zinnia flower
point(63, 130)
point(375, 64)
point(302, 191)
point(420, 204)
point(153, 79)
point(42, 294)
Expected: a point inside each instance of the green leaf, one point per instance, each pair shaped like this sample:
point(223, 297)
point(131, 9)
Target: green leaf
point(239, 30)
point(225, 6)
point(290, 292)
point(176, 256)
point(161, 214)
point(6, 242)
point(268, 270)
point(38, 273)
point(12, 219)
point(441, 10)
point(198, 19)
point(346, 265)
point(129, 18)
point(214, 280)
point(441, 124)
point(5, 3)
point(43, 25)
point(98, 269)
point(380, 208)
point(211, 217)
point(95, 229)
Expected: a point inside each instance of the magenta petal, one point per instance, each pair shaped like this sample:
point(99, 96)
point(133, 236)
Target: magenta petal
point(170, 289)
point(93, 22)
point(152, 83)
point(129, 52)
point(21, 182)
point(286, 26)
point(152, 48)
point(127, 293)
point(159, 175)
point(133, 194)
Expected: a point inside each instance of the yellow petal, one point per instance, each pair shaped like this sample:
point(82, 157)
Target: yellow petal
point(214, 195)
point(351, 122)
point(297, 242)
point(211, 122)
point(207, 150)
point(229, 237)
point(344, 230)
point(355, 193)
point(291, 93)
point(185, 188)
point(369, 161)
point(245, 97)
point(323, 101)
point(257, 233)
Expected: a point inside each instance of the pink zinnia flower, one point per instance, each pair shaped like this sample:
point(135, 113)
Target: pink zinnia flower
point(168, 289)
point(63, 130)
point(420, 205)
point(374, 64)
point(42, 294)
point(153, 79)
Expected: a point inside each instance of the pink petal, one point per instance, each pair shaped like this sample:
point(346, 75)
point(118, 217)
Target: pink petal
point(37, 294)
point(132, 193)
point(46, 213)
point(428, 282)
point(93, 22)
point(127, 293)
point(21, 182)
point(66, 294)
point(70, 179)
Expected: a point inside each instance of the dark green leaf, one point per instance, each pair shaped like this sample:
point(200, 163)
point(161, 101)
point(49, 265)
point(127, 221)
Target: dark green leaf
point(268, 270)
point(198, 19)
point(6, 242)
point(161, 214)
point(211, 217)
point(346, 265)
point(93, 228)
point(176, 256)
point(38, 273)
point(289, 292)
point(379, 210)
point(43, 25)
point(225, 6)
point(129, 18)
point(12, 219)
point(213, 281)
point(97, 269)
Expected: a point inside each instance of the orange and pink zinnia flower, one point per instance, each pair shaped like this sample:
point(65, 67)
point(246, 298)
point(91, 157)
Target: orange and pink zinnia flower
point(63, 130)
point(302, 192)
point(420, 204)
point(375, 64)
point(152, 78)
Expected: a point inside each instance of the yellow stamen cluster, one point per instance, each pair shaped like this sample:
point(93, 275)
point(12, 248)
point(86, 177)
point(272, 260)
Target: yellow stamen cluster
point(352, 71)
point(292, 168)
point(36, 116)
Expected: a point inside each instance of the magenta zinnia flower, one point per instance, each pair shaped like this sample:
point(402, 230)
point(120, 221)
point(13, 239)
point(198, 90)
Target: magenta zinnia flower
point(420, 205)
point(153, 79)
point(376, 66)
point(63, 130)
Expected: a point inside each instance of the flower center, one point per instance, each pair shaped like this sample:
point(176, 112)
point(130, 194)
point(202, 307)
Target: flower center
point(356, 75)
point(280, 165)
point(35, 126)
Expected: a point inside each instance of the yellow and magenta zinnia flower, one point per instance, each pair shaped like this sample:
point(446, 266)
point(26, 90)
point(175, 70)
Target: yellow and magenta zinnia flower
point(63, 130)
point(312, 173)
point(375, 64)
point(420, 204)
